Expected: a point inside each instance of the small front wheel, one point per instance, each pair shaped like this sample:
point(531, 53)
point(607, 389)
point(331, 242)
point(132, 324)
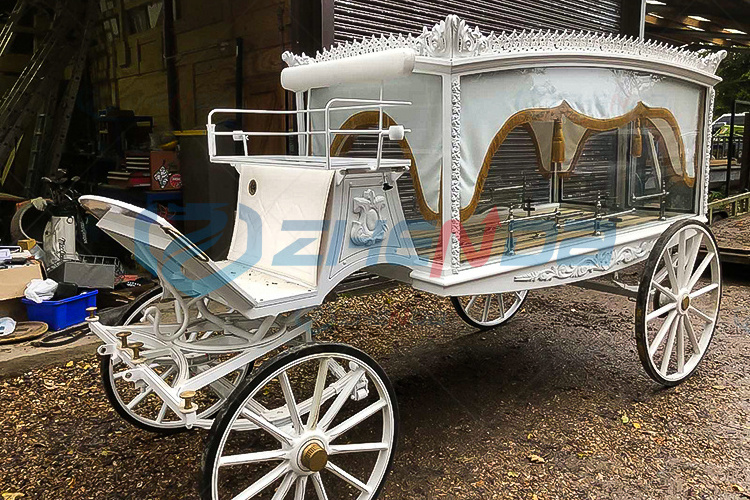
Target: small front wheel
point(318, 421)
point(677, 306)
point(492, 309)
point(141, 406)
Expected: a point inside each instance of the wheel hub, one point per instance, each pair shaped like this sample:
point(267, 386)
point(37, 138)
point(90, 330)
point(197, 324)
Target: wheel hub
point(684, 303)
point(313, 457)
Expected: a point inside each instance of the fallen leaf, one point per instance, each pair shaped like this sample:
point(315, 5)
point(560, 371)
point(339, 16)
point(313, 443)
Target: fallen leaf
point(513, 474)
point(536, 459)
point(625, 418)
point(737, 487)
point(68, 364)
point(636, 425)
point(11, 496)
point(719, 387)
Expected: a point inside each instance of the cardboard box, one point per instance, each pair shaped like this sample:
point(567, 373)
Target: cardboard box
point(13, 280)
point(165, 171)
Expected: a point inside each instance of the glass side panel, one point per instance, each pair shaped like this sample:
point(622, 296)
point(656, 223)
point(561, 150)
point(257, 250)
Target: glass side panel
point(588, 164)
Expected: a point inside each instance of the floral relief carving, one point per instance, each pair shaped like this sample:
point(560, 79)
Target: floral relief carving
point(599, 263)
point(370, 227)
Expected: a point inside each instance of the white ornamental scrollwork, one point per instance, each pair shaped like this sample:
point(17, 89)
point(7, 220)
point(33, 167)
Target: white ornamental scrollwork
point(452, 37)
point(707, 157)
point(370, 227)
point(455, 173)
point(601, 262)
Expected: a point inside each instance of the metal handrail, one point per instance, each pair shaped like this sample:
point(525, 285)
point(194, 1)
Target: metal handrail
point(394, 132)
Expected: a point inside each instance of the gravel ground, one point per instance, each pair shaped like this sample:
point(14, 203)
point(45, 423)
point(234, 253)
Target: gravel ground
point(733, 232)
point(553, 405)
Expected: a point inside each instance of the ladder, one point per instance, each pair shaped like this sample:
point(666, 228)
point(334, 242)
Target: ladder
point(66, 41)
point(37, 143)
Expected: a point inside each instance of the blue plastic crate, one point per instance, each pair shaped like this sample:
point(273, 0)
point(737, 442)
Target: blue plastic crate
point(59, 314)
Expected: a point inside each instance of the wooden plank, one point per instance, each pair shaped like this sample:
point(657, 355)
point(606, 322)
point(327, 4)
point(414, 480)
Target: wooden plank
point(146, 95)
point(193, 14)
point(263, 28)
point(204, 37)
point(213, 86)
point(187, 98)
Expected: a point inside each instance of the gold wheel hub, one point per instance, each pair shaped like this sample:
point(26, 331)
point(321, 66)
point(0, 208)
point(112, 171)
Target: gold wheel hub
point(314, 457)
point(685, 302)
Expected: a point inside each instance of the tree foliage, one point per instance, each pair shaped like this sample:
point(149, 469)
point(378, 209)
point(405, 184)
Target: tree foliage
point(735, 72)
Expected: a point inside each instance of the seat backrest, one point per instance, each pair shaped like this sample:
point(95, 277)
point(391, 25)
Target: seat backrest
point(280, 213)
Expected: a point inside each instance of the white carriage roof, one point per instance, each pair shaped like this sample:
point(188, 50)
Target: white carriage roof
point(453, 39)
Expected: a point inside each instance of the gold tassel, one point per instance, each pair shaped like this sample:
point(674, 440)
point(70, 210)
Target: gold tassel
point(636, 148)
point(558, 143)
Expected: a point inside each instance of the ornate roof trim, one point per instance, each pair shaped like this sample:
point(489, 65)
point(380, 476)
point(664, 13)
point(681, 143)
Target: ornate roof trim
point(454, 38)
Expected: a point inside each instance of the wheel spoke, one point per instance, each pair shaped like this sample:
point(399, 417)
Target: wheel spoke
point(681, 257)
point(338, 403)
point(267, 426)
point(263, 483)
point(341, 473)
point(669, 293)
point(658, 312)
point(486, 310)
point(704, 290)
point(291, 404)
point(284, 487)
point(299, 491)
point(320, 382)
point(681, 345)
point(471, 302)
point(691, 335)
point(337, 449)
point(668, 350)
point(706, 317)
point(502, 305)
point(140, 397)
point(669, 265)
point(319, 488)
point(659, 338)
point(701, 268)
point(251, 458)
point(162, 413)
point(693, 255)
point(659, 277)
point(356, 419)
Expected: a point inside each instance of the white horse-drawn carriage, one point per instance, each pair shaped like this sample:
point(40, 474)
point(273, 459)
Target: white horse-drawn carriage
point(467, 165)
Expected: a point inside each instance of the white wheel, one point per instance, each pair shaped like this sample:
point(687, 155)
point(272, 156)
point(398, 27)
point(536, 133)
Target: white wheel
point(486, 311)
point(678, 302)
point(139, 405)
point(318, 421)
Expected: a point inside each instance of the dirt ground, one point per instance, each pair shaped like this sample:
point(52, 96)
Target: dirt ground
point(561, 381)
point(733, 232)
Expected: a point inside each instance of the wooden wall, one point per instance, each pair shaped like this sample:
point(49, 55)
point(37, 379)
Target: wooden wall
point(128, 71)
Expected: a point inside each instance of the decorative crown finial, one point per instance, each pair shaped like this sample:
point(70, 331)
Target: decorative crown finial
point(453, 38)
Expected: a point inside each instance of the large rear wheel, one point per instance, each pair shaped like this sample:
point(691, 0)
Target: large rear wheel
point(677, 307)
